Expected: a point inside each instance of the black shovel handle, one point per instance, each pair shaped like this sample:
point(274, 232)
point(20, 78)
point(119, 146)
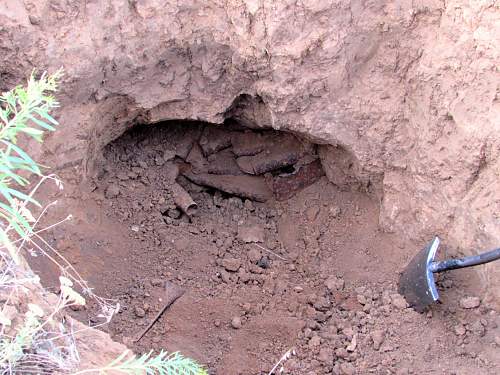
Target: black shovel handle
point(474, 260)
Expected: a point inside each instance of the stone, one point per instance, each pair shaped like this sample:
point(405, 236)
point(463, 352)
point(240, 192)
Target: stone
point(139, 312)
point(236, 322)
point(469, 302)
point(378, 337)
point(112, 191)
point(251, 233)
point(264, 262)
point(231, 264)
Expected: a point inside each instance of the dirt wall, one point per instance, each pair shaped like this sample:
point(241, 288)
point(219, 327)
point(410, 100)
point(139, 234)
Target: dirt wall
point(409, 88)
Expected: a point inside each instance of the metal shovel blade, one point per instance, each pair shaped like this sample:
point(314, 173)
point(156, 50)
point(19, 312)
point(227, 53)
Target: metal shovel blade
point(417, 282)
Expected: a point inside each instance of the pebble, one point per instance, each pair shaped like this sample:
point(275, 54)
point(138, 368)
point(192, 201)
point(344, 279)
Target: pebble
point(139, 312)
point(236, 322)
point(469, 302)
point(264, 262)
point(378, 337)
point(112, 191)
point(231, 264)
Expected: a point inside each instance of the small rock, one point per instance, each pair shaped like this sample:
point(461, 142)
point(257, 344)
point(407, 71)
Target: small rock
point(231, 264)
point(469, 302)
point(139, 312)
point(398, 301)
point(34, 20)
point(354, 342)
point(134, 228)
point(236, 322)
point(112, 191)
point(347, 368)
point(264, 262)
point(378, 337)
point(217, 322)
point(252, 233)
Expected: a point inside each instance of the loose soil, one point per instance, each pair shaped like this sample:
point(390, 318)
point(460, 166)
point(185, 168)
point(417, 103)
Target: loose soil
point(311, 272)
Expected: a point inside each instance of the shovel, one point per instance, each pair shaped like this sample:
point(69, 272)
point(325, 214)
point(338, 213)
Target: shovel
point(417, 283)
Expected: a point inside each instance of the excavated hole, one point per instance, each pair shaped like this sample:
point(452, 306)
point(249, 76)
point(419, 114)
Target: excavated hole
point(270, 252)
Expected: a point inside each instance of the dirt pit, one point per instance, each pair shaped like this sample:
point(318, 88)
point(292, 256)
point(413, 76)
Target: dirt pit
point(273, 257)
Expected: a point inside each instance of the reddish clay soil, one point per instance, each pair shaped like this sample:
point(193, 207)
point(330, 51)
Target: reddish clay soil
point(312, 272)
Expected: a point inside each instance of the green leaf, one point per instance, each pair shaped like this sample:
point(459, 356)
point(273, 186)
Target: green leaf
point(42, 124)
point(23, 196)
point(49, 117)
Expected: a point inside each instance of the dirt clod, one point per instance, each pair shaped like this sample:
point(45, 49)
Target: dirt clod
point(231, 264)
point(469, 302)
point(399, 301)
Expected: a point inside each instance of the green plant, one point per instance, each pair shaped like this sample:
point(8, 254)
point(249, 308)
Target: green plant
point(33, 348)
point(162, 364)
point(23, 110)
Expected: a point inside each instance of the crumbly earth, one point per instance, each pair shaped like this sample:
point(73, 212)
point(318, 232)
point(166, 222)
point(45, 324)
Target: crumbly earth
point(313, 273)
